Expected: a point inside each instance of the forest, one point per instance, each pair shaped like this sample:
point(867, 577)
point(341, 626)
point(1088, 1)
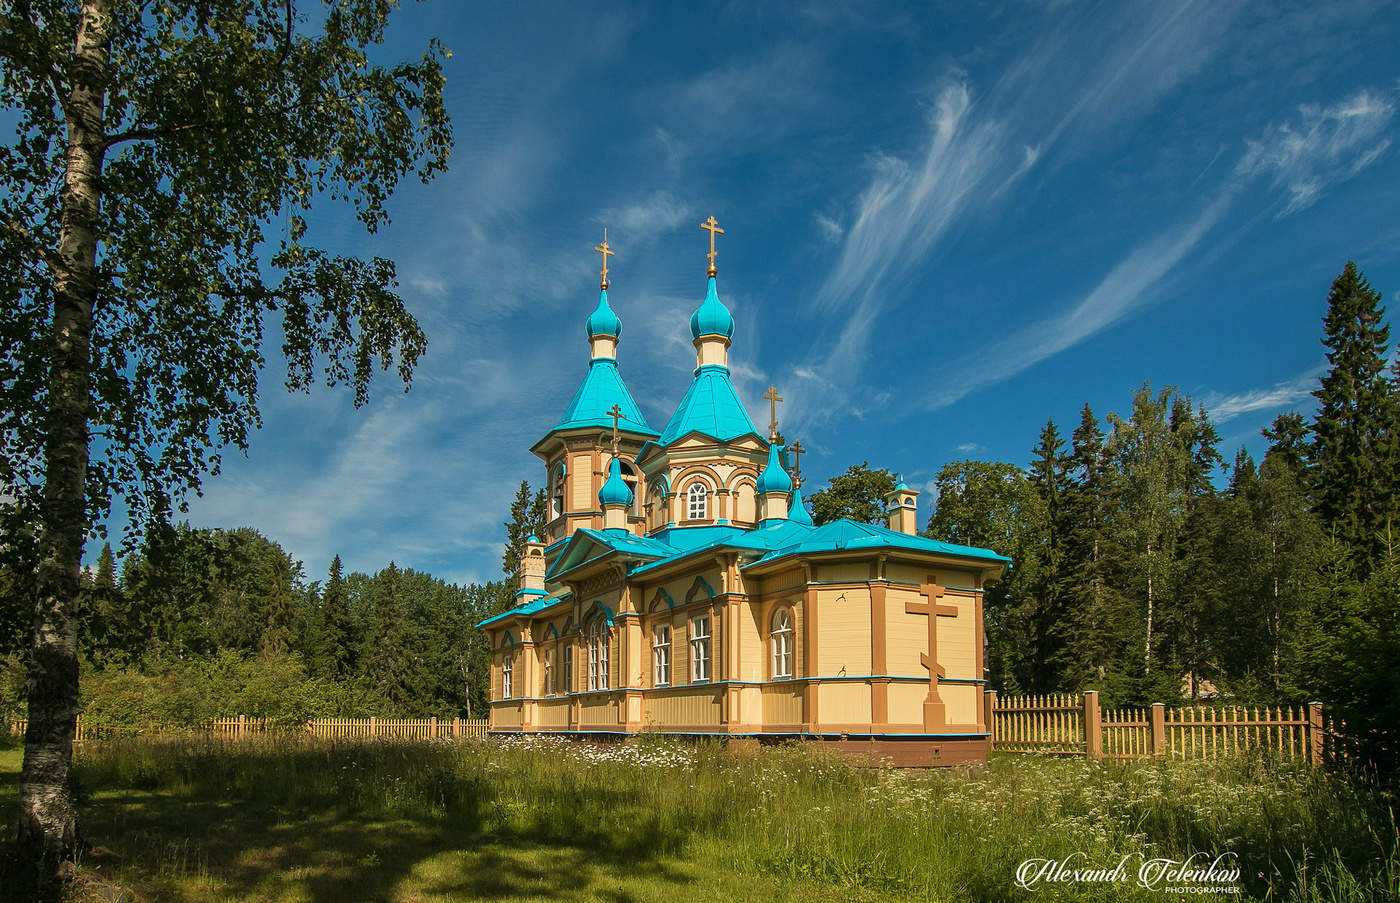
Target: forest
point(1149, 564)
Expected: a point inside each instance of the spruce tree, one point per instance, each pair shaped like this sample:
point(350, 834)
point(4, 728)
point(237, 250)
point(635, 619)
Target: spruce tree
point(387, 665)
point(1099, 621)
point(1352, 451)
point(337, 655)
point(1050, 627)
point(279, 607)
point(527, 518)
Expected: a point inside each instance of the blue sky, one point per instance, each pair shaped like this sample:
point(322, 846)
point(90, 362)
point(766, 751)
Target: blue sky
point(1026, 205)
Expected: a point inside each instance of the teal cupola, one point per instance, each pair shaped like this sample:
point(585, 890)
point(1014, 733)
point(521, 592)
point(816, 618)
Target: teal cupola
point(615, 491)
point(774, 477)
point(797, 511)
point(603, 321)
point(711, 317)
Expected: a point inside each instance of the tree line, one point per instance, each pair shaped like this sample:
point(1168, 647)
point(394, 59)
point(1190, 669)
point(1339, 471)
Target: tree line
point(1149, 567)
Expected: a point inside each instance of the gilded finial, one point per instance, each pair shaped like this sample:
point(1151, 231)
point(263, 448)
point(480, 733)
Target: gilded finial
point(797, 452)
point(607, 252)
point(773, 398)
point(712, 226)
point(615, 413)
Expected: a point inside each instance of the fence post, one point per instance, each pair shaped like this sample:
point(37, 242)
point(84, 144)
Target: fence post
point(432, 727)
point(989, 711)
point(1159, 728)
point(457, 728)
point(372, 729)
point(1315, 732)
point(242, 726)
point(77, 727)
point(1093, 725)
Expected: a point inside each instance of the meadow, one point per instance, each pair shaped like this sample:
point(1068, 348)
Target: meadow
point(197, 819)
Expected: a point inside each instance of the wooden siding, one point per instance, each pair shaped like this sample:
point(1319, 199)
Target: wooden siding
point(844, 640)
point(782, 703)
point(697, 706)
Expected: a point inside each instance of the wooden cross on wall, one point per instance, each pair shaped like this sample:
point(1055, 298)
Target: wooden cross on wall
point(935, 714)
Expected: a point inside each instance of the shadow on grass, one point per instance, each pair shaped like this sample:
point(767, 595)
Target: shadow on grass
point(190, 847)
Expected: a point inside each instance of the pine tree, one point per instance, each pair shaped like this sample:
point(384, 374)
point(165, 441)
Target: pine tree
point(387, 664)
point(528, 517)
point(1050, 627)
point(337, 655)
point(1099, 620)
point(1352, 450)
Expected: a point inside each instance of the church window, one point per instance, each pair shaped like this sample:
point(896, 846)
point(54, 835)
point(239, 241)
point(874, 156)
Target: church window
point(781, 638)
point(700, 649)
point(556, 496)
point(507, 690)
point(697, 498)
point(598, 656)
point(549, 672)
point(656, 504)
point(568, 667)
point(661, 656)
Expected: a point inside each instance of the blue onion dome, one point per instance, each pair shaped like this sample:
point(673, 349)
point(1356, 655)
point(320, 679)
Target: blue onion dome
point(774, 478)
point(615, 491)
point(532, 538)
point(603, 321)
point(797, 512)
point(711, 317)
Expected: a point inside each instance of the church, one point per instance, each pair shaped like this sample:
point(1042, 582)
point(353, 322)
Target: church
point(681, 587)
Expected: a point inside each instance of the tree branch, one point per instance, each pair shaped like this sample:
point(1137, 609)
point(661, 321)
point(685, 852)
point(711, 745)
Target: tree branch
point(42, 252)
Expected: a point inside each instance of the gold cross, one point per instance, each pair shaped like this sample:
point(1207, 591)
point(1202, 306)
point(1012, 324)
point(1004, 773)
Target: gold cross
point(935, 714)
point(773, 399)
point(797, 452)
point(606, 252)
point(712, 225)
point(615, 413)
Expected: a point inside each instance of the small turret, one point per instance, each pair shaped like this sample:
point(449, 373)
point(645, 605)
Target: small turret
point(774, 487)
point(532, 568)
point(615, 498)
point(903, 506)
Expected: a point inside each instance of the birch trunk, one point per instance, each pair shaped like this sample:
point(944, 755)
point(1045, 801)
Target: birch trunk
point(48, 817)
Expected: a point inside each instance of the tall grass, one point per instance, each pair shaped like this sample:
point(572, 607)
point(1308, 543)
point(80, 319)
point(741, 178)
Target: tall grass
point(803, 813)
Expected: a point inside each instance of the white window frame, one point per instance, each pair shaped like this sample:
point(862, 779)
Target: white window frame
point(697, 501)
point(598, 656)
point(568, 667)
point(661, 655)
point(780, 635)
point(700, 664)
point(507, 676)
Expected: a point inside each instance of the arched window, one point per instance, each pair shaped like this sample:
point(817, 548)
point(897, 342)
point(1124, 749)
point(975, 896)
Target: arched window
point(507, 688)
point(661, 656)
point(598, 655)
point(568, 666)
point(656, 506)
point(745, 503)
point(697, 501)
point(780, 638)
point(700, 649)
point(549, 672)
point(556, 492)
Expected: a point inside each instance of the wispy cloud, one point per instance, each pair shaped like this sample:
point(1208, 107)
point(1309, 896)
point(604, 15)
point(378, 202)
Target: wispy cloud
point(1134, 282)
point(645, 219)
point(830, 229)
point(1325, 145)
point(1224, 408)
point(968, 448)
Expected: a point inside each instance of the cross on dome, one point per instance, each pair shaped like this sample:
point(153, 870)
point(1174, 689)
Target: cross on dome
point(606, 251)
point(712, 226)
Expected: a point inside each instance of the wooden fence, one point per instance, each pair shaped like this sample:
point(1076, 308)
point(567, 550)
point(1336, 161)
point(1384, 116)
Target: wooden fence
point(331, 728)
point(1066, 724)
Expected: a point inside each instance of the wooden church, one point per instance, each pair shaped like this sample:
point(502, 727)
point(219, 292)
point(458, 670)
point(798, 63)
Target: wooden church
point(682, 588)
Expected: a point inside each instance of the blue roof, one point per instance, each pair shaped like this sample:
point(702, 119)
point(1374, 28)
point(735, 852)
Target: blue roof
point(711, 407)
point(711, 317)
point(603, 321)
point(600, 390)
point(774, 538)
point(615, 491)
point(797, 512)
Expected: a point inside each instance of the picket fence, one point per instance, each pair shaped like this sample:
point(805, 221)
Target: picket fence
point(1070, 724)
point(241, 726)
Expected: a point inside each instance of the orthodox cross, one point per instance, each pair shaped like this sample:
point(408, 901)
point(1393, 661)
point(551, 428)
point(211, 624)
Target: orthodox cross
point(773, 399)
point(712, 225)
point(797, 452)
point(607, 252)
point(935, 715)
point(615, 413)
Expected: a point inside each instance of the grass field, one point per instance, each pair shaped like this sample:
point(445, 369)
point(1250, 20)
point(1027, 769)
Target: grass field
point(198, 820)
